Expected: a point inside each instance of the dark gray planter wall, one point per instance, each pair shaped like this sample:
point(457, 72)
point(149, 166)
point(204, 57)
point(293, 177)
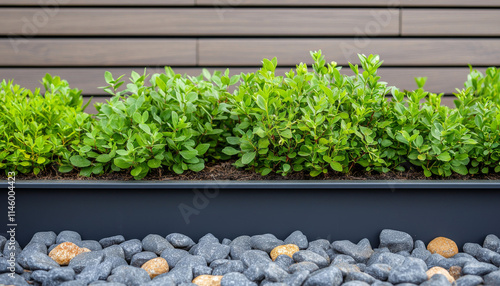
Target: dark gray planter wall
point(462, 211)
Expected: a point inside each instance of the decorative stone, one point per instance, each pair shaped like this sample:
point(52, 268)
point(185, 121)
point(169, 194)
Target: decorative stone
point(180, 240)
point(492, 242)
point(155, 267)
point(412, 270)
point(112, 240)
point(287, 249)
point(86, 259)
point(396, 241)
point(303, 266)
point(64, 252)
point(208, 280)
point(478, 268)
point(265, 242)
point(469, 280)
point(155, 243)
point(443, 246)
point(306, 255)
point(455, 272)
point(297, 238)
point(329, 276)
point(236, 279)
point(129, 275)
point(361, 252)
point(438, 270)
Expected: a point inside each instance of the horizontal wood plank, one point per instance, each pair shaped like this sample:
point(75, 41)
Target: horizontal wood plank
point(394, 52)
point(62, 3)
point(352, 3)
point(200, 22)
point(450, 22)
point(97, 52)
point(440, 80)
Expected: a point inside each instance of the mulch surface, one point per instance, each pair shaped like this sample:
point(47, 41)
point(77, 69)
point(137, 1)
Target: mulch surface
point(226, 171)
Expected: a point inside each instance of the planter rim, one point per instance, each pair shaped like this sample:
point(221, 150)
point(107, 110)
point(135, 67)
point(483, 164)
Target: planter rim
point(289, 184)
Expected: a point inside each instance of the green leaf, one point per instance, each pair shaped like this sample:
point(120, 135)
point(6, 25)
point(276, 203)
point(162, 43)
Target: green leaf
point(386, 143)
point(122, 163)
point(287, 134)
point(79, 161)
point(65, 168)
point(202, 148)
point(462, 170)
point(265, 171)
point(177, 169)
point(103, 158)
point(196, 167)
point(336, 166)
point(286, 167)
point(108, 77)
point(261, 102)
point(189, 154)
point(145, 128)
point(230, 151)
point(136, 171)
point(444, 157)
point(233, 140)
point(154, 163)
point(248, 158)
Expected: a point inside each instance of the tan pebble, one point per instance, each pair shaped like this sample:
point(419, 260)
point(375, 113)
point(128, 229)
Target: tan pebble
point(443, 246)
point(64, 252)
point(83, 249)
point(288, 249)
point(207, 280)
point(155, 267)
point(455, 271)
point(439, 270)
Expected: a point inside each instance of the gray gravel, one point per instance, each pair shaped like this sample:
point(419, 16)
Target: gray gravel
point(245, 260)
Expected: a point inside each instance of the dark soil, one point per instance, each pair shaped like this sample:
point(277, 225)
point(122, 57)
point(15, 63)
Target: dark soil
point(226, 171)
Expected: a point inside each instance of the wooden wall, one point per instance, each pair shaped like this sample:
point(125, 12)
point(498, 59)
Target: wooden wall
point(80, 39)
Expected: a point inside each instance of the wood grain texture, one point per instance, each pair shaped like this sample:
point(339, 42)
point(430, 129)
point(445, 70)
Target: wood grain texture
point(394, 52)
point(97, 52)
point(62, 3)
point(327, 3)
point(440, 80)
point(201, 22)
point(352, 3)
point(450, 22)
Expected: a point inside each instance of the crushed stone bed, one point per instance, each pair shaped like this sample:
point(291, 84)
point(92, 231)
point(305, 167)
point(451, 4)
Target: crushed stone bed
point(65, 259)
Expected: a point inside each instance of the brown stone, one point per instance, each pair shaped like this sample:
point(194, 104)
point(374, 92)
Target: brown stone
point(439, 270)
point(288, 249)
point(455, 271)
point(64, 252)
point(444, 246)
point(155, 267)
point(207, 280)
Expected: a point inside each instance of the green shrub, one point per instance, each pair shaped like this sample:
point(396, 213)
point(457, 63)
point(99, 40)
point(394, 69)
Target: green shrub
point(37, 129)
point(177, 122)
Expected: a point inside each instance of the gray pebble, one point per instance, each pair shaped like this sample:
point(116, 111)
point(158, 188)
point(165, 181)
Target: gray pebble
point(114, 250)
point(74, 283)
point(275, 273)
point(250, 257)
point(379, 271)
point(242, 241)
point(92, 245)
point(396, 241)
point(265, 242)
point(342, 258)
point(412, 270)
point(404, 253)
point(355, 283)
point(421, 253)
point(201, 270)
point(320, 251)
point(180, 274)
point(303, 266)
point(228, 267)
point(469, 280)
point(69, 236)
point(190, 261)
point(112, 240)
point(131, 247)
point(492, 242)
point(306, 255)
point(471, 248)
point(297, 278)
point(44, 237)
point(297, 238)
point(359, 276)
point(86, 259)
point(492, 279)
point(95, 272)
point(347, 268)
point(381, 283)
point(237, 251)
point(155, 243)
point(27, 252)
point(236, 279)
point(12, 247)
point(115, 261)
point(361, 266)
point(211, 251)
point(39, 275)
point(172, 255)
point(361, 252)
point(322, 243)
point(487, 255)
point(129, 275)
point(218, 262)
point(3, 240)
point(40, 261)
point(58, 276)
point(419, 244)
point(435, 260)
point(226, 241)
point(256, 272)
point(437, 280)
point(208, 238)
point(392, 259)
point(284, 261)
point(5, 279)
point(161, 281)
point(329, 276)
point(478, 268)
point(142, 257)
point(180, 240)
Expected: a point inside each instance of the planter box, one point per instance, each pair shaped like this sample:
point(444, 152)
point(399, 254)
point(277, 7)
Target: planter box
point(465, 211)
